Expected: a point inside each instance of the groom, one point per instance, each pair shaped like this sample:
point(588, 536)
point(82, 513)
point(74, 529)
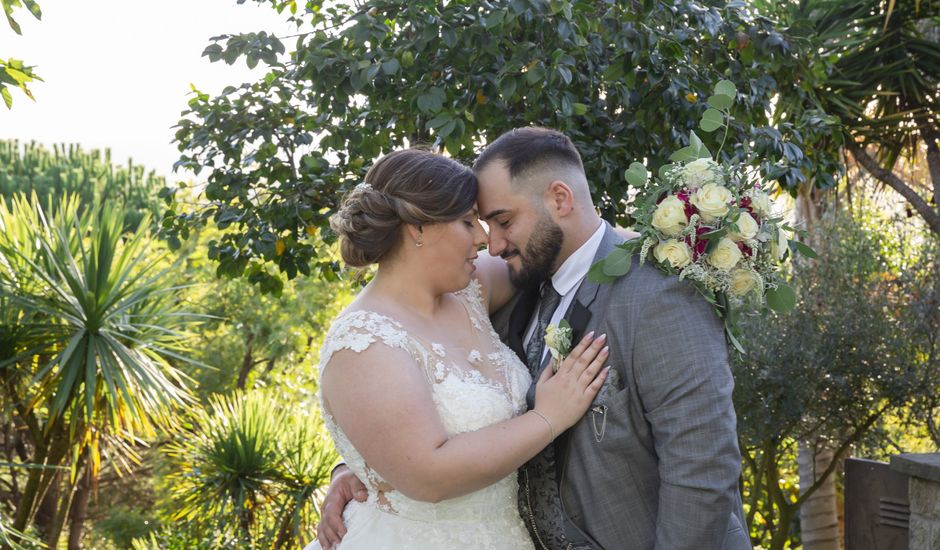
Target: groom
point(655, 462)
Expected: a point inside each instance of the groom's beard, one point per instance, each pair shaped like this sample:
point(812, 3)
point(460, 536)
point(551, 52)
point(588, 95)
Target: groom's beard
point(540, 254)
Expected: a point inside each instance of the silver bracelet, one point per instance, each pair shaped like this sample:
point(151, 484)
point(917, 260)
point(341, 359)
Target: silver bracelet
point(547, 421)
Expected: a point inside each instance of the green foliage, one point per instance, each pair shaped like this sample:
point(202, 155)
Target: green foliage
point(253, 339)
point(875, 68)
point(67, 169)
point(831, 370)
point(123, 525)
point(248, 469)
point(90, 334)
point(13, 72)
point(624, 81)
point(108, 313)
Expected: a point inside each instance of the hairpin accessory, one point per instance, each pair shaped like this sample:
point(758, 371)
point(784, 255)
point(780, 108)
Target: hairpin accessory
point(364, 186)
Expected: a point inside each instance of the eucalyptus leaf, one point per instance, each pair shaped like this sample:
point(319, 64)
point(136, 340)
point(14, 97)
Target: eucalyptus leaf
point(617, 263)
point(781, 299)
point(719, 101)
point(636, 175)
point(726, 88)
point(712, 119)
point(596, 274)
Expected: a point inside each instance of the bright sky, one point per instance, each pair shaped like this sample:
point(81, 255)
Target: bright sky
point(117, 72)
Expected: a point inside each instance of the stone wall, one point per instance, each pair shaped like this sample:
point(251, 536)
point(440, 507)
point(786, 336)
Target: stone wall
point(924, 496)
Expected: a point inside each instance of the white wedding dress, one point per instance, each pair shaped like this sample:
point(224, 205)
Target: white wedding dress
point(466, 400)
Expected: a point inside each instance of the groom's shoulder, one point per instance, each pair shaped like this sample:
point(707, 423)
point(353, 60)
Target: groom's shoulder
point(644, 283)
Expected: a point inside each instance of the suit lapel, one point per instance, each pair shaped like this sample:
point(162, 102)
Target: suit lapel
point(579, 312)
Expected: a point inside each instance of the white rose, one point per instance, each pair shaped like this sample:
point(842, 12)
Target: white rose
point(747, 228)
point(725, 255)
point(761, 204)
point(701, 172)
point(712, 201)
point(743, 281)
point(780, 246)
point(675, 253)
point(669, 217)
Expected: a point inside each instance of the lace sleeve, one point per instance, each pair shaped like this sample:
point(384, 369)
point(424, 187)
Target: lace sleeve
point(357, 330)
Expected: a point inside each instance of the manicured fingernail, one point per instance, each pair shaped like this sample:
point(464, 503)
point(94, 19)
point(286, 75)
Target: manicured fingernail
point(606, 349)
point(602, 337)
point(588, 336)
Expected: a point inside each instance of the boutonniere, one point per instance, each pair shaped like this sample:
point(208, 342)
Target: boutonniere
point(558, 340)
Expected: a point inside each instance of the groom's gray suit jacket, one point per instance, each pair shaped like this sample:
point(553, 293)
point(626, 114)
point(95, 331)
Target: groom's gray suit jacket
point(665, 473)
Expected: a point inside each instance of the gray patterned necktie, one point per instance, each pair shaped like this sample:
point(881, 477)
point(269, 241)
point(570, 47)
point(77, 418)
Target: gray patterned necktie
point(548, 303)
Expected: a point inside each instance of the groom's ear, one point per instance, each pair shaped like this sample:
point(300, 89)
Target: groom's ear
point(559, 198)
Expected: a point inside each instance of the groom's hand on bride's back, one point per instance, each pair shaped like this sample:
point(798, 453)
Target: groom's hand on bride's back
point(344, 487)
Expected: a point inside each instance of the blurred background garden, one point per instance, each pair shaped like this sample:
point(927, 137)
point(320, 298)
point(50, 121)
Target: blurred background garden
point(160, 324)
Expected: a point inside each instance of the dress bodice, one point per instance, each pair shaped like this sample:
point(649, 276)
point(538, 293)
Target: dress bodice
point(466, 400)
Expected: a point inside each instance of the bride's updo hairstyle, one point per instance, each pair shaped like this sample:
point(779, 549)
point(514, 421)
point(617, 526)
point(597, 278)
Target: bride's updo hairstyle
point(411, 186)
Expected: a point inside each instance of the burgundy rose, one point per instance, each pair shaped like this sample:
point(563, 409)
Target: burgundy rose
point(689, 207)
point(745, 249)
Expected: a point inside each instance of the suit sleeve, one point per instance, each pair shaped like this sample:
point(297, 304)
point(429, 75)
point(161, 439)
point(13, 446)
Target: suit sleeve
point(685, 385)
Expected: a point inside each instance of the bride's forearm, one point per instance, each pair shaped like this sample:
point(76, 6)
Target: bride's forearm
point(473, 460)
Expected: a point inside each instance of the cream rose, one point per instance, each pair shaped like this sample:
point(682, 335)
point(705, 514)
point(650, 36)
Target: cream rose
point(725, 255)
point(712, 201)
point(743, 281)
point(747, 228)
point(761, 203)
point(669, 217)
point(675, 253)
point(701, 172)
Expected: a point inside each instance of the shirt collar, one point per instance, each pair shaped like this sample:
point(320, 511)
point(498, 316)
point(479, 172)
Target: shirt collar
point(576, 266)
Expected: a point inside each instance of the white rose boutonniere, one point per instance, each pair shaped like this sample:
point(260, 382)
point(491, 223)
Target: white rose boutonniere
point(558, 340)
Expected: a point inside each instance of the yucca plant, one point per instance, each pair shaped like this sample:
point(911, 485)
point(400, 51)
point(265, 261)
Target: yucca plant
point(308, 462)
point(104, 327)
point(248, 470)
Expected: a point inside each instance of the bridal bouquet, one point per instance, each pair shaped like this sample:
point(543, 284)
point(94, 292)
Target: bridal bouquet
point(712, 224)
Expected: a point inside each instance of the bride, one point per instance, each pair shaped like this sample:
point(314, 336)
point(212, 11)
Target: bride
point(423, 401)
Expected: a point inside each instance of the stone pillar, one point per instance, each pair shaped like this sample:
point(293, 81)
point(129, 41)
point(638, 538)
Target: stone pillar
point(924, 495)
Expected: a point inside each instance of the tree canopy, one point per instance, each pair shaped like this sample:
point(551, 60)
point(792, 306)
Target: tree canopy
point(626, 81)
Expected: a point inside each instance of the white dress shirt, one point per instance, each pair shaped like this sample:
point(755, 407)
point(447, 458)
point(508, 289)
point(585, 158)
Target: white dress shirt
point(567, 280)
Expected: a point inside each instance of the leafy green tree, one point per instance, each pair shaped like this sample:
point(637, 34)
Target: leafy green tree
point(13, 72)
point(93, 372)
point(626, 81)
point(826, 374)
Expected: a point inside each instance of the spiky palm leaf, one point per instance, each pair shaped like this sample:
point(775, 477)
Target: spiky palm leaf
point(101, 306)
point(245, 459)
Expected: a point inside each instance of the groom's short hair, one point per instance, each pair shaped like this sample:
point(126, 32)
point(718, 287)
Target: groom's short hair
point(524, 150)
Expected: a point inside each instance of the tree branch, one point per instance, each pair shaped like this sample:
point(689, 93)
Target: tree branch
point(931, 216)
